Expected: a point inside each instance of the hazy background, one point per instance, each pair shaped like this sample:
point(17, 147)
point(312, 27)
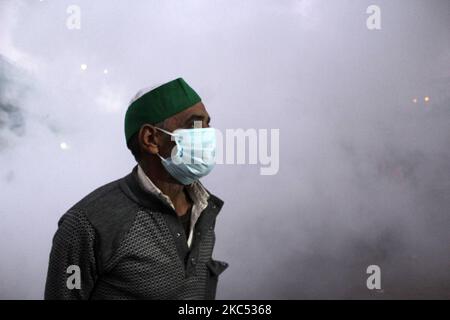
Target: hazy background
point(364, 168)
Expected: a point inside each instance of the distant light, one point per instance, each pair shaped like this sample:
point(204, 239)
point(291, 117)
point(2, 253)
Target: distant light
point(414, 100)
point(64, 146)
point(83, 66)
point(105, 71)
point(427, 99)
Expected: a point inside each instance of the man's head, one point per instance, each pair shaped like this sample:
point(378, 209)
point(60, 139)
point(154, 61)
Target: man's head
point(172, 106)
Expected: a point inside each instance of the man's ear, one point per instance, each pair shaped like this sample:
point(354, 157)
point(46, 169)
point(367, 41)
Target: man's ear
point(148, 140)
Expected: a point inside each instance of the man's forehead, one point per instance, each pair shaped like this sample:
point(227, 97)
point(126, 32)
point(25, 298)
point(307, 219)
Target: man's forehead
point(197, 109)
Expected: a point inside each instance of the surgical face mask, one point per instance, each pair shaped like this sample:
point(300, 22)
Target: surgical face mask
point(193, 156)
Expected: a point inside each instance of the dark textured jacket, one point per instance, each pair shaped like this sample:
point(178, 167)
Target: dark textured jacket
point(128, 244)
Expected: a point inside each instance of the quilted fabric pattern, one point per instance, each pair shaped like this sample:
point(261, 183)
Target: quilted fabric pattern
point(148, 266)
point(130, 245)
point(73, 244)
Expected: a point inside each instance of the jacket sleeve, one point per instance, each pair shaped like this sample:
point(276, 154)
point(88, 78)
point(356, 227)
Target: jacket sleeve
point(72, 270)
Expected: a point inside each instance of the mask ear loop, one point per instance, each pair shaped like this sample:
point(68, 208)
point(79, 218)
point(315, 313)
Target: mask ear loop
point(166, 132)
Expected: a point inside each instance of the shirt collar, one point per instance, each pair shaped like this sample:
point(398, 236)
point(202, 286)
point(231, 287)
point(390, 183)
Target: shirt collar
point(196, 190)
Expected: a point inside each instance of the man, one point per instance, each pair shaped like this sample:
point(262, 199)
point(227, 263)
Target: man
point(149, 235)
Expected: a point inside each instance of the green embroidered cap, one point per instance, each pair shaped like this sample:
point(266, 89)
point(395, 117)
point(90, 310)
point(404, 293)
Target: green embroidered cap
point(159, 104)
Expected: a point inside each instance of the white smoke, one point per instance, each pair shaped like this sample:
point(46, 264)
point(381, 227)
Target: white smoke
point(365, 166)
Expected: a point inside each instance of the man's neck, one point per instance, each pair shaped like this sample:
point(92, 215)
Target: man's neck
point(171, 188)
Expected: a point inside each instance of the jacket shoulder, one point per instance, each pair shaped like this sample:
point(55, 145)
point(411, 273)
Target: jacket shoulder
point(111, 213)
point(107, 205)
